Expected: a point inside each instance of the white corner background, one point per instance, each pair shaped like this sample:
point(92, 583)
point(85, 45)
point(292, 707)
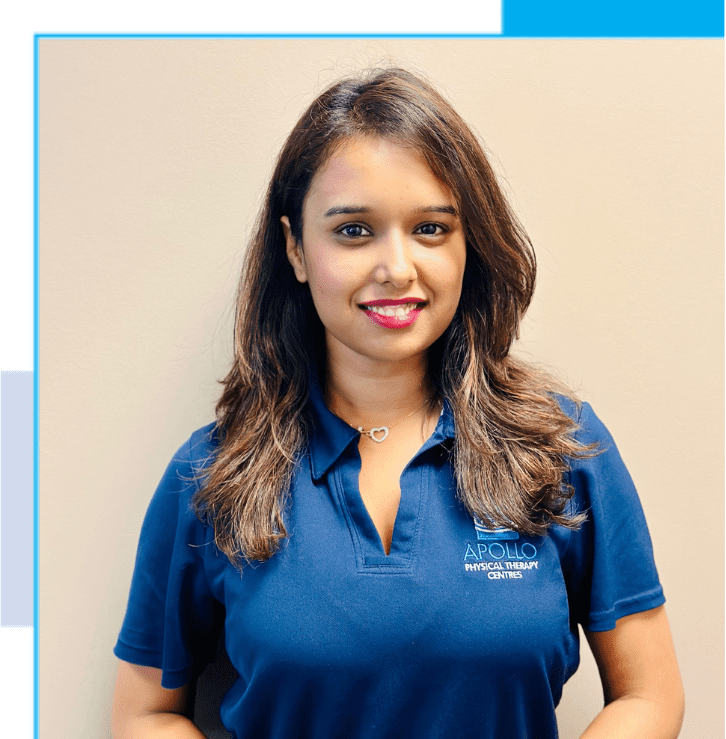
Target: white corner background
point(668, 399)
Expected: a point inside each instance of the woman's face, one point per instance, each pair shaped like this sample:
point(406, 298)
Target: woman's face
point(383, 251)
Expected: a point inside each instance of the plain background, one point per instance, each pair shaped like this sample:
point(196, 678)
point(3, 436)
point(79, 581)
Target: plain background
point(153, 156)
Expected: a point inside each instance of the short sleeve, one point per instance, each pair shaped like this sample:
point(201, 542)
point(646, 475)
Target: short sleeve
point(172, 619)
point(609, 565)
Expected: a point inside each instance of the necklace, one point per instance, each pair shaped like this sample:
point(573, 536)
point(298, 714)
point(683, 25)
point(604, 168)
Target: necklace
point(380, 433)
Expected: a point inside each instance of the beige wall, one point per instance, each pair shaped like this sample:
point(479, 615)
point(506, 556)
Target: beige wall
point(153, 156)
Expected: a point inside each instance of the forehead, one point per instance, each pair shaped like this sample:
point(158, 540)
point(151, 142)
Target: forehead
point(375, 168)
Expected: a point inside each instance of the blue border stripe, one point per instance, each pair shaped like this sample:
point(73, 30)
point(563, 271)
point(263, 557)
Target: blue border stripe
point(514, 25)
point(616, 18)
point(36, 506)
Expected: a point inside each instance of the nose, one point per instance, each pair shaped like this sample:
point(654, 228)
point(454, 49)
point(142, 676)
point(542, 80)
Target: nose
point(396, 264)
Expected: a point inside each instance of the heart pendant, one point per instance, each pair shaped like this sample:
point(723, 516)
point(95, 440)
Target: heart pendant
point(383, 430)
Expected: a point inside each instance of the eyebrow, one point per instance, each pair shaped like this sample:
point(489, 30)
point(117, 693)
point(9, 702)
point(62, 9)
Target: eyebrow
point(346, 209)
point(438, 209)
point(354, 209)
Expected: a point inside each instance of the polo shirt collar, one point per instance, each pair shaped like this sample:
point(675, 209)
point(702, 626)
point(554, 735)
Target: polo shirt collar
point(329, 435)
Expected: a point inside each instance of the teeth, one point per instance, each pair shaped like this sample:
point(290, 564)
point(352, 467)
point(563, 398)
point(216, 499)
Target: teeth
point(398, 311)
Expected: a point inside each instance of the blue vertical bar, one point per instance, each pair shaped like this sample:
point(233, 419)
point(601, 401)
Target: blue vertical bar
point(36, 375)
point(16, 498)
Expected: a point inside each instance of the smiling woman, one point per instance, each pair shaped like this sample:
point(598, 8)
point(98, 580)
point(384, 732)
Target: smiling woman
point(398, 524)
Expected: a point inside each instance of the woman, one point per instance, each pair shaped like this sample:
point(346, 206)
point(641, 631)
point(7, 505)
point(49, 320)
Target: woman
point(398, 523)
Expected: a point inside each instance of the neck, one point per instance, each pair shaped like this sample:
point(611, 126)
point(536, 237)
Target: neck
point(372, 394)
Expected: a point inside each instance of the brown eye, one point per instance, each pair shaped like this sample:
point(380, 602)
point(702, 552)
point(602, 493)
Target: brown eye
point(430, 229)
point(353, 231)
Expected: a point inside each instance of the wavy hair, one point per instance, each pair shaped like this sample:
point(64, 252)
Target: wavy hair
point(513, 440)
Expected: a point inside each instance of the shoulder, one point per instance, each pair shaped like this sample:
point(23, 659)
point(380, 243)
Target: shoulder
point(202, 446)
point(183, 476)
point(198, 451)
point(590, 430)
point(599, 476)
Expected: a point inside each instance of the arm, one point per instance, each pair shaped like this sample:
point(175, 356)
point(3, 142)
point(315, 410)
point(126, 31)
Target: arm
point(640, 677)
point(142, 709)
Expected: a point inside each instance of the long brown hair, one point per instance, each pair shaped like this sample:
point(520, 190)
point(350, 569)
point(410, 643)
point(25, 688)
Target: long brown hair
point(513, 440)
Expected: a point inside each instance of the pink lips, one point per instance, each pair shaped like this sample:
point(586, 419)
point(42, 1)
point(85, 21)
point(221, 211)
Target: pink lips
point(393, 321)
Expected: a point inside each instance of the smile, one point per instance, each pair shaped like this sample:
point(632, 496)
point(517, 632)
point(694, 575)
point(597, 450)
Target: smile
point(399, 311)
point(393, 316)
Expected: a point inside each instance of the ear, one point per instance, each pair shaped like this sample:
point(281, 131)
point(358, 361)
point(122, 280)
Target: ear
point(294, 251)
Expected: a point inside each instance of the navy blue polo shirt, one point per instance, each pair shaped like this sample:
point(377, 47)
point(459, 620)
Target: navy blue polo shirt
point(460, 632)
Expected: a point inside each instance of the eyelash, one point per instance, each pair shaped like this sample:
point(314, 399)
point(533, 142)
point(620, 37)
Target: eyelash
point(342, 229)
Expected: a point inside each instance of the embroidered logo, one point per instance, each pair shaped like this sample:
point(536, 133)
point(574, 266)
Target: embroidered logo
point(499, 553)
point(483, 533)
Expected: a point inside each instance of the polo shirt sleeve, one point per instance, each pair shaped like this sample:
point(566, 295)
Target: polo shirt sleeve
point(609, 565)
point(172, 619)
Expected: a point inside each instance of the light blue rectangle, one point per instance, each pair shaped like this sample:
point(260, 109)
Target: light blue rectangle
point(500, 535)
point(616, 18)
point(16, 498)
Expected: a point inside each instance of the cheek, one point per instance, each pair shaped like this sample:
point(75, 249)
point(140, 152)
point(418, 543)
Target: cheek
point(327, 280)
point(325, 283)
point(458, 267)
point(331, 276)
point(448, 275)
point(452, 288)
